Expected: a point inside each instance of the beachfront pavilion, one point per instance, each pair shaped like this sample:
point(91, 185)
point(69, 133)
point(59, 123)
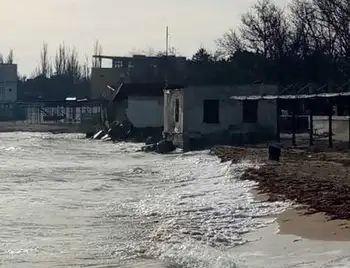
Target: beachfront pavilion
point(310, 101)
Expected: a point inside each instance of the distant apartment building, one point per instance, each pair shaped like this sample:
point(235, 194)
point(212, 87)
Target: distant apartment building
point(135, 69)
point(8, 82)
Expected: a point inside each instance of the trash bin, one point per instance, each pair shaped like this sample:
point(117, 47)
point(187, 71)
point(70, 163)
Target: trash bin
point(274, 152)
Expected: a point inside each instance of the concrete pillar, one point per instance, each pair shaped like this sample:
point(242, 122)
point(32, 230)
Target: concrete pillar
point(311, 121)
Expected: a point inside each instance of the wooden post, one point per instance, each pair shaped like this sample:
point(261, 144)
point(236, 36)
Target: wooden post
point(349, 130)
point(330, 130)
point(311, 121)
point(278, 137)
point(294, 104)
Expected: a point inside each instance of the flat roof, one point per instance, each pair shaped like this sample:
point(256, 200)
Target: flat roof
point(290, 97)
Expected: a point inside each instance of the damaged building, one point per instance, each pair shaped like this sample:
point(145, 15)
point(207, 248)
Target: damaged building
point(136, 69)
point(195, 117)
point(140, 104)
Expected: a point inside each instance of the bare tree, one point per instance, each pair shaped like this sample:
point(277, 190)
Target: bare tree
point(265, 29)
point(229, 44)
point(334, 19)
point(314, 32)
point(85, 69)
point(73, 66)
point(96, 63)
point(334, 16)
point(303, 27)
point(321, 28)
point(9, 58)
point(61, 60)
point(1, 58)
point(45, 66)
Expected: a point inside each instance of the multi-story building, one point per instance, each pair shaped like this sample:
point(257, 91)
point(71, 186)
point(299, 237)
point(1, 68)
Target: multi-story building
point(135, 69)
point(8, 82)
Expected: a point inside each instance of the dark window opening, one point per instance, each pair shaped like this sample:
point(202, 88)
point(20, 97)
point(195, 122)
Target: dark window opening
point(177, 110)
point(250, 111)
point(118, 64)
point(211, 111)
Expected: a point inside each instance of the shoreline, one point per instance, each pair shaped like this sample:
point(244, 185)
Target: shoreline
point(312, 227)
point(317, 184)
point(265, 247)
point(295, 221)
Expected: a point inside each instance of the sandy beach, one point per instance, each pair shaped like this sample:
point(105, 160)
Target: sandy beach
point(316, 182)
point(314, 227)
point(268, 248)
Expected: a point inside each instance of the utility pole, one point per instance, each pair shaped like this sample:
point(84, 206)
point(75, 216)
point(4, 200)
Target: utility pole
point(167, 41)
point(166, 55)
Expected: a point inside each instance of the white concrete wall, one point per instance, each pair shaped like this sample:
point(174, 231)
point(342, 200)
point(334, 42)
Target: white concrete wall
point(145, 111)
point(170, 126)
point(230, 111)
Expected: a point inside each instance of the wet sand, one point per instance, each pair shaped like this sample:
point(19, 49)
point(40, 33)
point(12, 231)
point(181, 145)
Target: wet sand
point(267, 248)
point(316, 226)
point(316, 181)
point(313, 227)
point(320, 181)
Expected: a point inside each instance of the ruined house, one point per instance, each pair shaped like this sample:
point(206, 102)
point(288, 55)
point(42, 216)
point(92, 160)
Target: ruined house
point(142, 104)
point(135, 69)
point(198, 116)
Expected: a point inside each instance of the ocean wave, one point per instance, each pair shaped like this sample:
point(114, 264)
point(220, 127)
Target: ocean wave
point(203, 202)
point(96, 203)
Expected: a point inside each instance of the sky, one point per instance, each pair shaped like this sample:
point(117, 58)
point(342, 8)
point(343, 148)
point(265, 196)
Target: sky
point(120, 26)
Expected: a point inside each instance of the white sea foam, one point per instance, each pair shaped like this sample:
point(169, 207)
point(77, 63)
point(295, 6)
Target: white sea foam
point(75, 202)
